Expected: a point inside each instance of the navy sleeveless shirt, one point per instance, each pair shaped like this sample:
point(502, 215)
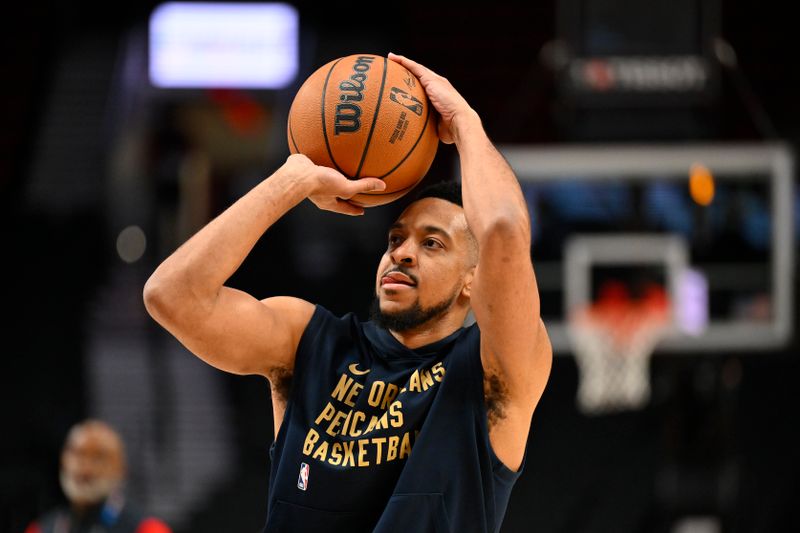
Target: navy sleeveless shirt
point(379, 437)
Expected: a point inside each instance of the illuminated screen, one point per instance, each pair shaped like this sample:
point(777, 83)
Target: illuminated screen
point(221, 45)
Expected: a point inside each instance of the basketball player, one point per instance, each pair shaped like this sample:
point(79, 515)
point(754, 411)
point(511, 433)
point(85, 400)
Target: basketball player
point(409, 422)
point(92, 474)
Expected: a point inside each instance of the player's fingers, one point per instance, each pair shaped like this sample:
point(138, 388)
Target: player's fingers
point(337, 205)
point(415, 68)
point(445, 135)
point(362, 185)
point(347, 208)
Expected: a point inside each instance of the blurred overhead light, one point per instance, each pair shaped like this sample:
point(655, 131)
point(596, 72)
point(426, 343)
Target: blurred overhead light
point(701, 184)
point(131, 244)
point(223, 45)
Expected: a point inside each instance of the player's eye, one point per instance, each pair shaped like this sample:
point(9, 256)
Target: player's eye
point(432, 243)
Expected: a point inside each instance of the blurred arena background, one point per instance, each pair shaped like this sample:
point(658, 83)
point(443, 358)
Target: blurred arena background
point(602, 107)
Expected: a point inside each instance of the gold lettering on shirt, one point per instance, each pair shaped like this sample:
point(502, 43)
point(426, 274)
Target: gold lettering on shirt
point(326, 414)
point(311, 438)
point(351, 396)
point(391, 447)
point(405, 446)
point(349, 458)
point(358, 418)
point(362, 451)
point(347, 390)
point(338, 418)
point(378, 442)
point(336, 454)
point(322, 451)
point(345, 382)
point(373, 424)
point(391, 394)
point(342, 434)
point(397, 414)
point(426, 378)
point(375, 393)
point(413, 382)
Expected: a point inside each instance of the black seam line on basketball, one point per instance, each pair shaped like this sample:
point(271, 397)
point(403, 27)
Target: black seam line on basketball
point(291, 135)
point(324, 129)
point(427, 116)
point(374, 118)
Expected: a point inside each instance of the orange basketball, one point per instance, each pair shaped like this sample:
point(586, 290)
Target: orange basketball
point(366, 116)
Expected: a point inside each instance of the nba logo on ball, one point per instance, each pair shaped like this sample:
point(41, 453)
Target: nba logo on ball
point(302, 479)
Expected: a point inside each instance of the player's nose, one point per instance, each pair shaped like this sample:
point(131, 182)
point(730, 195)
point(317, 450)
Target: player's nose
point(405, 254)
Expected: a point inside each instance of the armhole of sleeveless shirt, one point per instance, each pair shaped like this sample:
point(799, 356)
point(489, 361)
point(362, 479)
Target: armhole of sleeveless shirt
point(305, 348)
point(499, 469)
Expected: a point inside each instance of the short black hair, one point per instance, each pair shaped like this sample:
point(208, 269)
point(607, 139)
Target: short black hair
point(446, 190)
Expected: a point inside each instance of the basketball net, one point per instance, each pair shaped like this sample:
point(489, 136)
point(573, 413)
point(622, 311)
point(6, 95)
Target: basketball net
point(613, 340)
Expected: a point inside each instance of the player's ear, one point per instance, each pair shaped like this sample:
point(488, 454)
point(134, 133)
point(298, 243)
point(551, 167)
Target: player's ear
point(466, 291)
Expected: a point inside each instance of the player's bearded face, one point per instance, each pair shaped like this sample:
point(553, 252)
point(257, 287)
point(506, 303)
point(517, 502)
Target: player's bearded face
point(413, 316)
point(423, 273)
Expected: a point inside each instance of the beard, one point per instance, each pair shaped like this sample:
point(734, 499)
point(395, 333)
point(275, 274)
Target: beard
point(92, 492)
point(410, 318)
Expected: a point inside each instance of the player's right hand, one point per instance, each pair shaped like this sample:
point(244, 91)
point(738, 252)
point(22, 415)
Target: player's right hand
point(330, 189)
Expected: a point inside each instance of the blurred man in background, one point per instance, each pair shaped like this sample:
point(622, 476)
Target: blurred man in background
point(93, 469)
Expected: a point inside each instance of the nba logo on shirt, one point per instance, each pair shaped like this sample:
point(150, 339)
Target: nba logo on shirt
point(302, 479)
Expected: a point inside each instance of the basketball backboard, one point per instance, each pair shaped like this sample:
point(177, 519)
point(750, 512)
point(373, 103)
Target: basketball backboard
point(635, 208)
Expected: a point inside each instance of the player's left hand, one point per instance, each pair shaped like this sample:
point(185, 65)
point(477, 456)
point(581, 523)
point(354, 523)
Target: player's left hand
point(447, 101)
point(328, 188)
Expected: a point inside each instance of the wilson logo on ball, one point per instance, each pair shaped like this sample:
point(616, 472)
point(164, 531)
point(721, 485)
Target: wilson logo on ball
point(348, 114)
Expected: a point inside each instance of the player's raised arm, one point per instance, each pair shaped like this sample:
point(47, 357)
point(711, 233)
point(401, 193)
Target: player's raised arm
point(228, 328)
point(504, 298)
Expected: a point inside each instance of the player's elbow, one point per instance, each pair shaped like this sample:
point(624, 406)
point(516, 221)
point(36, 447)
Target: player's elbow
point(508, 228)
point(156, 301)
point(163, 298)
point(174, 302)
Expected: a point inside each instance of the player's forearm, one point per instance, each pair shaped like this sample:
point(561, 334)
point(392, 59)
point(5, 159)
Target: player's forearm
point(493, 201)
point(193, 275)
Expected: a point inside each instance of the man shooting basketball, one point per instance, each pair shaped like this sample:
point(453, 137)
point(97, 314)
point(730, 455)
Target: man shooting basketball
point(409, 422)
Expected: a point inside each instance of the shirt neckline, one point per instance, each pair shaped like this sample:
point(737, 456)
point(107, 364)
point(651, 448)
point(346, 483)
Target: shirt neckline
point(382, 339)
